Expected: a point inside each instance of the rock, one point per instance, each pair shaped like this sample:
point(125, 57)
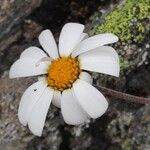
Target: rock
point(12, 14)
point(125, 126)
point(11, 131)
point(140, 132)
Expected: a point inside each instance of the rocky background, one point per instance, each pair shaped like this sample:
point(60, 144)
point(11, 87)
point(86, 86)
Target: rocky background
point(126, 126)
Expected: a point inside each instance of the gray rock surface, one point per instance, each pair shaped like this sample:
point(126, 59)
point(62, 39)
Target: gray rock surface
point(125, 126)
point(12, 14)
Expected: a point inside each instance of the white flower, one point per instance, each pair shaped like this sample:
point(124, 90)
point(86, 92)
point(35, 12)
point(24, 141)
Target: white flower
point(66, 83)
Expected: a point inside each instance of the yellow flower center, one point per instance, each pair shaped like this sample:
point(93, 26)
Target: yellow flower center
point(63, 72)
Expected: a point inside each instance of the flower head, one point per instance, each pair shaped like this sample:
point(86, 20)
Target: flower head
point(65, 81)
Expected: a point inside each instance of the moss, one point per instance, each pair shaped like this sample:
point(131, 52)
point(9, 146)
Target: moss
point(127, 21)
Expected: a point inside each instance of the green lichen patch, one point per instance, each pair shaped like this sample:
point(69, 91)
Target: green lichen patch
point(128, 22)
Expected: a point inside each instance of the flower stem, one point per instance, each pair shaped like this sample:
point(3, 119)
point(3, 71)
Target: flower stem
point(123, 96)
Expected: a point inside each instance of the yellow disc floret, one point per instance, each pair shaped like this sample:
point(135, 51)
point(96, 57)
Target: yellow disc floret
point(63, 72)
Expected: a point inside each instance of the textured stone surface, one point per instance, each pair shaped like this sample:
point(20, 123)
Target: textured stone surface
point(12, 13)
point(125, 126)
point(12, 133)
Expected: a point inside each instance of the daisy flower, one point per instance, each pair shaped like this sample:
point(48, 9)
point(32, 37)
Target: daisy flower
point(65, 82)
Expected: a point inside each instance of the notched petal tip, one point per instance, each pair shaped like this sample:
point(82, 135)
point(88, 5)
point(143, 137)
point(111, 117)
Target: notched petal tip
point(33, 131)
point(112, 35)
point(11, 71)
point(74, 24)
point(21, 120)
point(44, 32)
point(72, 124)
point(118, 71)
point(118, 75)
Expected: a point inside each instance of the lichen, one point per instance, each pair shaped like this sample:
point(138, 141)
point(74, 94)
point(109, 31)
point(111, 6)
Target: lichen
point(127, 21)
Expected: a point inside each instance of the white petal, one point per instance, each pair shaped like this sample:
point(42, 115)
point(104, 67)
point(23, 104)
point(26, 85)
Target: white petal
point(28, 100)
point(90, 99)
point(39, 112)
point(69, 37)
point(83, 37)
point(103, 59)
point(72, 112)
point(94, 42)
point(25, 67)
point(56, 101)
point(48, 43)
point(33, 52)
point(86, 77)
